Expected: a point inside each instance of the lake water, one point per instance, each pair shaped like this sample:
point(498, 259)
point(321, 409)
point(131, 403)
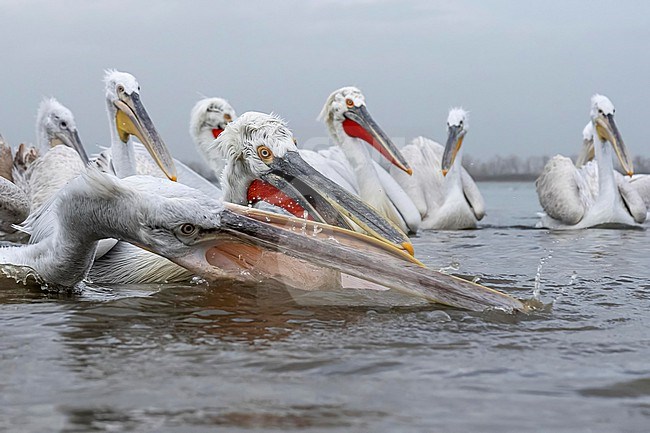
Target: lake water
point(241, 359)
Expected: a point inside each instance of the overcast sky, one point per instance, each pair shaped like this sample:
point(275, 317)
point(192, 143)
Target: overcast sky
point(525, 70)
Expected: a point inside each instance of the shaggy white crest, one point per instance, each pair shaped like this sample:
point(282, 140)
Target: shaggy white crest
point(251, 130)
point(335, 105)
point(601, 103)
point(113, 78)
point(209, 113)
point(51, 118)
point(458, 117)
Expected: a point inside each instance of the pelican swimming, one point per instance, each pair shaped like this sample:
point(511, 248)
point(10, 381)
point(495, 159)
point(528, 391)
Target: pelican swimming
point(264, 167)
point(218, 241)
point(353, 129)
point(639, 182)
point(594, 194)
point(445, 194)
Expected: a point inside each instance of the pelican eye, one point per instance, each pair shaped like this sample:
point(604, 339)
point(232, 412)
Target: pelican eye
point(265, 153)
point(349, 103)
point(188, 229)
point(227, 117)
point(63, 124)
point(120, 88)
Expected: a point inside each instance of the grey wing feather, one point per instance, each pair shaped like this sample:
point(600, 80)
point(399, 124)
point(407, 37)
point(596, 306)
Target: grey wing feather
point(473, 195)
point(558, 190)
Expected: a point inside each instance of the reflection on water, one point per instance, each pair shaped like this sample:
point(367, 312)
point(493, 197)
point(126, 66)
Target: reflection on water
point(263, 358)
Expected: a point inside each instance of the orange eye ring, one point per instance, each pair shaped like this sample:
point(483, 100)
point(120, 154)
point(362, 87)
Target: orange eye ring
point(349, 102)
point(265, 153)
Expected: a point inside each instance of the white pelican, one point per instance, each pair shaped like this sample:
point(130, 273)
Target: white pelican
point(217, 242)
point(639, 182)
point(353, 129)
point(128, 117)
point(591, 196)
point(59, 155)
point(264, 166)
point(444, 193)
point(208, 119)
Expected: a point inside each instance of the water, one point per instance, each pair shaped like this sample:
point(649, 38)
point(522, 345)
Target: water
point(235, 359)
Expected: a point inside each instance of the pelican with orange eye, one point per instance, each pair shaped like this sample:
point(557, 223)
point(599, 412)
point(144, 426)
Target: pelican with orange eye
point(265, 153)
point(349, 102)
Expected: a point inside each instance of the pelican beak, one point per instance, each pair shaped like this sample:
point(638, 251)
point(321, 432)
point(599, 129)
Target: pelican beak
point(71, 139)
point(133, 119)
point(587, 153)
point(361, 125)
point(329, 202)
point(455, 138)
point(309, 255)
point(608, 131)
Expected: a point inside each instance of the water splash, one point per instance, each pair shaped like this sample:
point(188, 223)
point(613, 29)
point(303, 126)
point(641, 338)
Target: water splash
point(537, 286)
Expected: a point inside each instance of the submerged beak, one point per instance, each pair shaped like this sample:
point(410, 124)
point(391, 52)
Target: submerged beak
point(328, 201)
point(361, 125)
point(306, 255)
point(133, 119)
point(455, 138)
point(71, 139)
point(607, 130)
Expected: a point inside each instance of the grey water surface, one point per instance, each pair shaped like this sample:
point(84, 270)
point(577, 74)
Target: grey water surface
point(241, 359)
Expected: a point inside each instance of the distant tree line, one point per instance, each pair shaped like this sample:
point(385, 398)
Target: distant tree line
point(514, 167)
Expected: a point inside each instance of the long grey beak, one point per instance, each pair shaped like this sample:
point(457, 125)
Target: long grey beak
point(361, 125)
point(132, 119)
point(71, 139)
point(305, 184)
point(618, 145)
point(455, 137)
point(285, 246)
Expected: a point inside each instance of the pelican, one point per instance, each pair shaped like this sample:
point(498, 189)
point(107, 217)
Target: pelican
point(59, 154)
point(353, 129)
point(208, 119)
point(445, 194)
point(264, 166)
point(639, 182)
point(218, 241)
point(594, 194)
point(128, 117)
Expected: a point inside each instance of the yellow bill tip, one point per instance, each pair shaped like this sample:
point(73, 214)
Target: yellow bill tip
point(408, 247)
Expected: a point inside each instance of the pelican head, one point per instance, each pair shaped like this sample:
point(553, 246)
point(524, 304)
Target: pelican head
point(130, 118)
point(55, 125)
point(602, 118)
point(345, 112)
point(456, 130)
point(210, 117)
point(263, 164)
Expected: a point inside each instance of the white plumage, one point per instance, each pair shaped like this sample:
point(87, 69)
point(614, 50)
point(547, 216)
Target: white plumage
point(445, 202)
point(593, 194)
point(351, 128)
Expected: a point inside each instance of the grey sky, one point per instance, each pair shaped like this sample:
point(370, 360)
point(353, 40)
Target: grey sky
point(525, 70)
